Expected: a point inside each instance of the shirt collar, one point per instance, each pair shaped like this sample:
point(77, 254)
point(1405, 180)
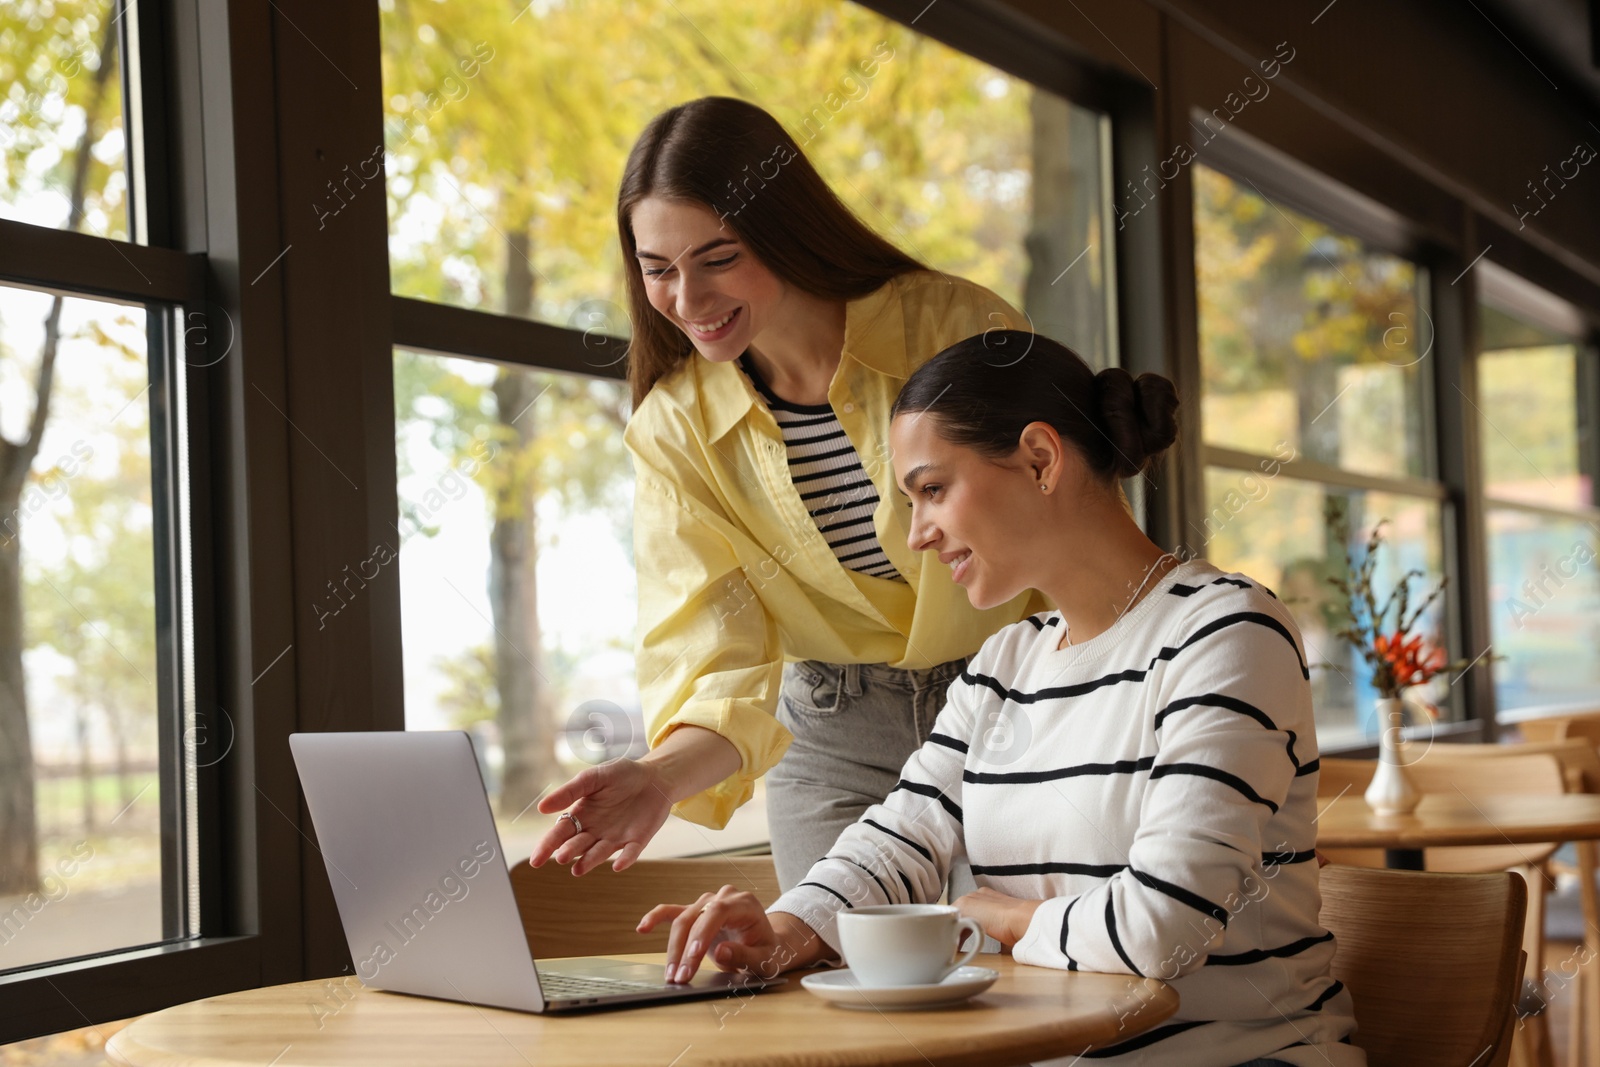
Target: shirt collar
point(874, 336)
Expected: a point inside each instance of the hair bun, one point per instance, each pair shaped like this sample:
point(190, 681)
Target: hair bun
point(1139, 415)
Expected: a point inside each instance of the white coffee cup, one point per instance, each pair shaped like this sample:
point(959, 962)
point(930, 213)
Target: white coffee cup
point(905, 944)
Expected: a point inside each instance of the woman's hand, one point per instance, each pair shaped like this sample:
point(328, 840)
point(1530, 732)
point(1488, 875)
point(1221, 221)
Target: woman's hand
point(1004, 918)
point(620, 804)
point(738, 933)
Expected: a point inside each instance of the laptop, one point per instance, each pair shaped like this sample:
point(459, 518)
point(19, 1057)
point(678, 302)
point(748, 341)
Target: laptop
point(404, 825)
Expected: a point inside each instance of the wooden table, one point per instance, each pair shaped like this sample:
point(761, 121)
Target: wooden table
point(1443, 819)
point(1030, 1013)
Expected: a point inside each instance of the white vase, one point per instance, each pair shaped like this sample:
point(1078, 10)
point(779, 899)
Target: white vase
point(1391, 791)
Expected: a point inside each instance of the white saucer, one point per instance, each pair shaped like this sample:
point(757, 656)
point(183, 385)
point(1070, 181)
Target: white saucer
point(841, 988)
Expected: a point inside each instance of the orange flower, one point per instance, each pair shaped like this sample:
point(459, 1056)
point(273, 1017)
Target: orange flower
point(1411, 661)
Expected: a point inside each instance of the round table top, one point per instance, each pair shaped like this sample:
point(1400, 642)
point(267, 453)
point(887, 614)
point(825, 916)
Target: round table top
point(1456, 819)
point(1030, 1013)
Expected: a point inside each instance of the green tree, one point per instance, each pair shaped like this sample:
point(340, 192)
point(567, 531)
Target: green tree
point(58, 62)
point(471, 697)
point(96, 605)
point(1285, 303)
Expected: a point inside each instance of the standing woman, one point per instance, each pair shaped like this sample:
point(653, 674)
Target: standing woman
point(784, 624)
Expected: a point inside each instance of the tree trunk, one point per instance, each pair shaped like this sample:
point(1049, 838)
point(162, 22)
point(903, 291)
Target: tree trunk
point(19, 825)
point(1316, 387)
point(19, 829)
point(121, 727)
point(85, 768)
point(523, 716)
point(124, 787)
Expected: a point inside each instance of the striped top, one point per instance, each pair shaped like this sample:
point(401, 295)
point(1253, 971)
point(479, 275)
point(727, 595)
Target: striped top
point(1155, 787)
point(833, 484)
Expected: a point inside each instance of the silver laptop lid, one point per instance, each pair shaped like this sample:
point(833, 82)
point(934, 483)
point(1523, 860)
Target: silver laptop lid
point(408, 837)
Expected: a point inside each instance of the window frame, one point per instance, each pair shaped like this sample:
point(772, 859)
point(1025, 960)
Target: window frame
point(1508, 292)
point(1284, 182)
point(185, 202)
point(1377, 190)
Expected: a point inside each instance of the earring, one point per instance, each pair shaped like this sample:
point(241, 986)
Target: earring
point(1043, 488)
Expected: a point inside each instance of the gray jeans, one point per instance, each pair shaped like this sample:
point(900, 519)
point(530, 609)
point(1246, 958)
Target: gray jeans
point(854, 726)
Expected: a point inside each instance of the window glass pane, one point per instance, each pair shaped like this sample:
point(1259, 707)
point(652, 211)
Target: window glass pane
point(1528, 403)
point(1272, 528)
point(1544, 596)
point(80, 815)
point(505, 148)
point(1308, 338)
point(517, 585)
point(1529, 406)
point(61, 133)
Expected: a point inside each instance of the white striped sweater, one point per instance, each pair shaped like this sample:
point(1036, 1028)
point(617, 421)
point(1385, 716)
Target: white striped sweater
point(1155, 786)
point(827, 472)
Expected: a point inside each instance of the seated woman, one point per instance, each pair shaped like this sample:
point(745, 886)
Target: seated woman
point(1133, 776)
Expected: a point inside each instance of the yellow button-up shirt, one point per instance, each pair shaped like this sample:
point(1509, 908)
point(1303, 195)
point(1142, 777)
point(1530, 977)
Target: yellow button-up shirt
point(734, 577)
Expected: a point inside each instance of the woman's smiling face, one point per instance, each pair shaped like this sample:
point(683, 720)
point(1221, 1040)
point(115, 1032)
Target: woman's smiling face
point(971, 510)
point(701, 276)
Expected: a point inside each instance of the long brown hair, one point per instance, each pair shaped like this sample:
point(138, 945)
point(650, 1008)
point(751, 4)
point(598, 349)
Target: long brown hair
point(738, 161)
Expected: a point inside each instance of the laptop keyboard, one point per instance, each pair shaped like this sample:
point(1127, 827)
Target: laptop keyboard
point(558, 986)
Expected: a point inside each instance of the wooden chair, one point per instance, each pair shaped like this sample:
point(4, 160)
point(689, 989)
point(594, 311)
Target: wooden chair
point(1572, 740)
point(1432, 962)
point(1583, 762)
point(598, 913)
point(1479, 770)
point(1583, 726)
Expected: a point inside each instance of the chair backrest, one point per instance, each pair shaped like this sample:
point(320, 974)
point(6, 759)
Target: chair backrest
point(1551, 729)
point(1578, 756)
point(1432, 961)
point(1584, 726)
point(597, 913)
point(1477, 770)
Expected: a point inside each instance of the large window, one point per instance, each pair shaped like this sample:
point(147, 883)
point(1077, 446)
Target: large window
point(78, 550)
point(505, 147)
point(1536, 388)
point(1314, 405)
point(99, 739)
